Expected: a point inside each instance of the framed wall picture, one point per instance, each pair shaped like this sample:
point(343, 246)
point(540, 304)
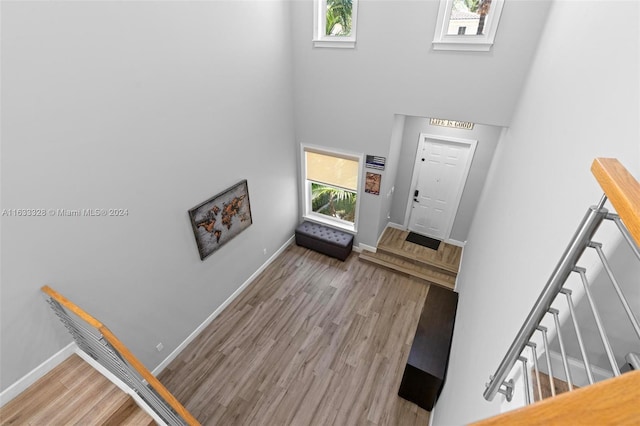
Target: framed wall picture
point(221, 218)
point(372, 183)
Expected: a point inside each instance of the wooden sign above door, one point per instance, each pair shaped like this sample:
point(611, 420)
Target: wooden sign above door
point(467, 125)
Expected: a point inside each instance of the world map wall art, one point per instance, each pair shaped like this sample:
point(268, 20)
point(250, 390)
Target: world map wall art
point(220, 218)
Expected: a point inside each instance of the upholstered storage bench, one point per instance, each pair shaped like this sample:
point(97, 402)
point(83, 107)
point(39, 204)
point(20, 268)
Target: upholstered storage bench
point(324, 239)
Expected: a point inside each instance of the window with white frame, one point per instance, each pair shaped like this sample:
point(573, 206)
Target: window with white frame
point(334, 23)
point(467, 24)
point(331, 182)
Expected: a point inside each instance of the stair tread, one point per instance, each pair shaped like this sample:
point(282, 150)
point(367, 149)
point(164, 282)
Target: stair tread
point(126, 413)
point(138, 418)
point(447, 257)
point(444, 267)
point(110, 404)
point(410, 268)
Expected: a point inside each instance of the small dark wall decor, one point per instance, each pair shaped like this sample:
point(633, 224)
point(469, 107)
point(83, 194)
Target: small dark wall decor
point(221, 218)
point(375, 162)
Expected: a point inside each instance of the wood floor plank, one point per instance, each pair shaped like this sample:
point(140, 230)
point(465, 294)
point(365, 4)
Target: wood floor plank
point(447, 257)
point(111, 407)
point(306, 412)
point(14, 413)
point(40, 394)
point(311, 341)
point(89, 393)
point(73, 393)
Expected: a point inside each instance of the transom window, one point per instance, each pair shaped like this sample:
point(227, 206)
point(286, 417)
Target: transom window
point(331, 186)
point(467, 24)
point(335, 23)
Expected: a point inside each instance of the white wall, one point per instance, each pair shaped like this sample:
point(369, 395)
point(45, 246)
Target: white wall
point(391, 172)
point(487, 137)
point(153, 107)
point(581, 101)
point(347, 98)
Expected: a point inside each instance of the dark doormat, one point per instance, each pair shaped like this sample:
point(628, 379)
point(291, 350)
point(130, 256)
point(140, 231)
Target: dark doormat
point(427, 242)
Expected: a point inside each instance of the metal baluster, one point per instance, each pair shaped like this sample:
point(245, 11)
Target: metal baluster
point(105, 354)
point(625, 233)
point(579, 242)
point(535, 368)
point(596, 315)
point(543, 330)
point(565, 364)
point(525, 377)
point(583, 352)
point(625, 304)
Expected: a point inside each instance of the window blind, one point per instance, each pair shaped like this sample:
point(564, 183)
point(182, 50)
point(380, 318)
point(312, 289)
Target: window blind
point(332, 170)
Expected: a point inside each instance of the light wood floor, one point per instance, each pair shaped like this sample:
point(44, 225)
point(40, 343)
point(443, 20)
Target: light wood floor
point(73, 393)
point(312, 341)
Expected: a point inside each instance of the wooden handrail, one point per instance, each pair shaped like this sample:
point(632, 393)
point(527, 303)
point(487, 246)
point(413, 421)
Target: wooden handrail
point(622, 190)
point(129, 357)
point(610, 402)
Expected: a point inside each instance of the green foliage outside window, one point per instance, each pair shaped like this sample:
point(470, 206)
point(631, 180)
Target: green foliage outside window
point(334, 202)
point(339, 17)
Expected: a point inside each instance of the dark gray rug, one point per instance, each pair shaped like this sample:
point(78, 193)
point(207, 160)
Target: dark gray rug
point(427, 242)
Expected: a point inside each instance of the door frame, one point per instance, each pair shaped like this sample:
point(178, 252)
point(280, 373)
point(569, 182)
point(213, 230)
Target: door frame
point(471, 143)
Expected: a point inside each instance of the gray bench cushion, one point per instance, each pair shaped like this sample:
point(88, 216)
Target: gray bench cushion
point(324, 239)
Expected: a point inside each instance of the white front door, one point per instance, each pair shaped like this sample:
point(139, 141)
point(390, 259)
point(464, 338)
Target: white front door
point(439, 176)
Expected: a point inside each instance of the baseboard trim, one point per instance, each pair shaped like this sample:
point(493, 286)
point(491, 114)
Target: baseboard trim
point(389, 225)
point(456, 243)
point(455, 286)
point(396, 226)
point(37, 373)
point(432, 414)
point(363, 247)
point(219, 309)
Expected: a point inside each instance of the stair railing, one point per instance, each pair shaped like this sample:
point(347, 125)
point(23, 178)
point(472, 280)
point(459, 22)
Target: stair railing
point(623, 192)
point(97, 341)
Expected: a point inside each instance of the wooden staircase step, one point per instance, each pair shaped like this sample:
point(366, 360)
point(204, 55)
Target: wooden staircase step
point(560, 386)
point(442, 267)
point(446, 258)
point(110, 406)
point(127, 413)
point(410, 268)
point(138, 418)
